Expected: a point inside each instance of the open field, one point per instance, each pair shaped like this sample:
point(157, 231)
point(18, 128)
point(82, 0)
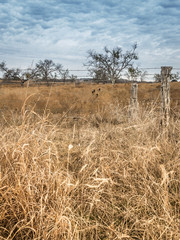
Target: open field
point(74, 165)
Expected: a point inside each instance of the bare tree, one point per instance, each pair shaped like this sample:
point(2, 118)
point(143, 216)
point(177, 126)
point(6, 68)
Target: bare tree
point(109, 66)
point(100, 75)
point(133, 74)
point(65, 75)
point(157, 77)
point(73, 78)
point(31, 73)
point(175, 77)
point(3, 67)
point(47, 70)
point(143, 75)
point(10, 73)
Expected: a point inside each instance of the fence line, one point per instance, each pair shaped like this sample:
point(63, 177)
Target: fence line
point(87, 75)
point(85, 72)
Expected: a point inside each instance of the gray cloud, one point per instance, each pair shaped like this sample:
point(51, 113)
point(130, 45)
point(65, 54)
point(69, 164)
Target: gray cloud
point(64, 30)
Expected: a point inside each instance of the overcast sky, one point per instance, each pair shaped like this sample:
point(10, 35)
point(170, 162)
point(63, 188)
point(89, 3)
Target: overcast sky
point(64, 30)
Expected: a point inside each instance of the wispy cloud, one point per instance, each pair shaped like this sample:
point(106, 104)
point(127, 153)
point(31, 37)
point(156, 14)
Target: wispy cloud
point(65, 30)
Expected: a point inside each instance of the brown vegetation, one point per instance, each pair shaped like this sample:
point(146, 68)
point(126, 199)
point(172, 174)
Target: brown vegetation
point(73, 165)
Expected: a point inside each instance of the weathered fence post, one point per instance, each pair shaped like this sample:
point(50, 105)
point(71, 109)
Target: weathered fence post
point(165, 94)
point(134, 100)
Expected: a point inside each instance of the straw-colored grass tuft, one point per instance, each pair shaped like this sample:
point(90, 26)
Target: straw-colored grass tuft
point(88, 173)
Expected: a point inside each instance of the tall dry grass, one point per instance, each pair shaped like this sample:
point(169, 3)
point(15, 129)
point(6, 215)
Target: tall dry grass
point(89, 174)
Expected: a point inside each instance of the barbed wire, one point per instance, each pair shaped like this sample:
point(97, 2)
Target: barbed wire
point(86, 72)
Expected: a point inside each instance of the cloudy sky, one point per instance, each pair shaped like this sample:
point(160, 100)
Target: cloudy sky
point(64, 30)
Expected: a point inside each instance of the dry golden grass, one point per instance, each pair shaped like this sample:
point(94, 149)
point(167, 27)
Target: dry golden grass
point(74, 165)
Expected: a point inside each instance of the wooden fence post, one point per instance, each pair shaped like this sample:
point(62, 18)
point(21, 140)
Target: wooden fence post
point(165, 94)
point(134, 100)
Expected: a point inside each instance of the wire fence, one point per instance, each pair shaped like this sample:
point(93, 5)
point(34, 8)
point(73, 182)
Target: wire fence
point(150, 72)
point(85, 73)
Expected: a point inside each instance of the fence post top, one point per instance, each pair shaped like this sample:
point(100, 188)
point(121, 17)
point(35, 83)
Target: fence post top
point(166, 67)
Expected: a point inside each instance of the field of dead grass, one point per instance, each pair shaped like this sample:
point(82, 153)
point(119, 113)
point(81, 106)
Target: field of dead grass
point(74, 165)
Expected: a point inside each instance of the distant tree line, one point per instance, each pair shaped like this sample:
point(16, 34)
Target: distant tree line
point(107, 66)
point(45, 70)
